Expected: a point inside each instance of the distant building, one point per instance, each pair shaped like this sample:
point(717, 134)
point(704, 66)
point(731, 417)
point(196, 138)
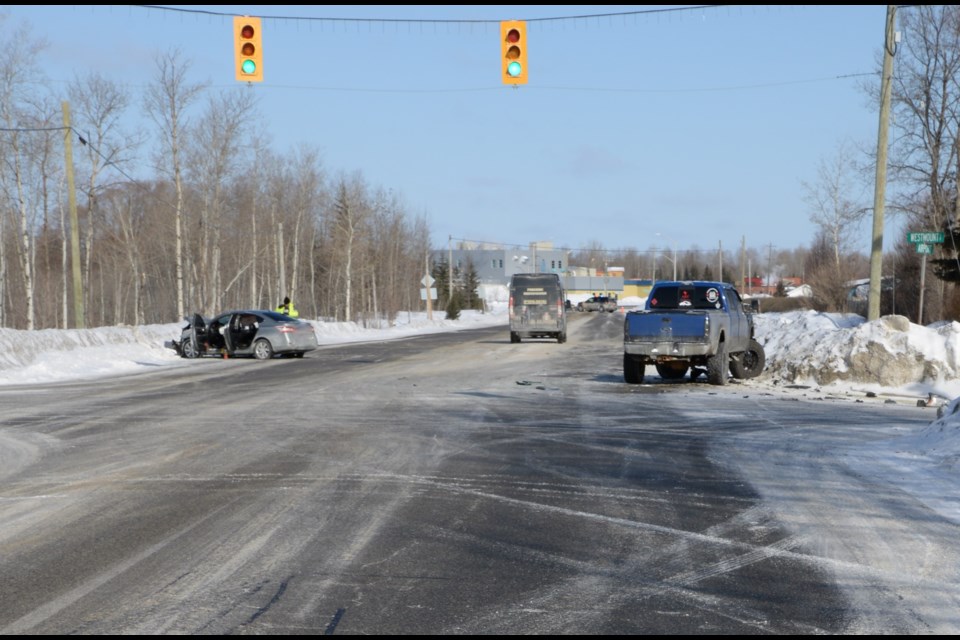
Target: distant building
point(496, 264)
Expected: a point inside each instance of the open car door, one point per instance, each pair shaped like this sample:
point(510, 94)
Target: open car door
point(193, 343)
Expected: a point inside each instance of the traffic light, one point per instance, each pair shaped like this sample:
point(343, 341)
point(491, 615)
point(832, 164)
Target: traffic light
point(513, 51)
point(247, 49)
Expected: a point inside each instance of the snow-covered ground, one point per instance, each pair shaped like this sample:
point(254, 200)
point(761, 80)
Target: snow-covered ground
point(838, 354)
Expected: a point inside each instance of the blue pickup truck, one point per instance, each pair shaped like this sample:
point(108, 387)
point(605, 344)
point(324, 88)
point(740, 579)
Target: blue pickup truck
point(691, 326)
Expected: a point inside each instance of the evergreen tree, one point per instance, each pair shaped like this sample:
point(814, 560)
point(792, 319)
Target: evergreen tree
point(471, 288)
point(441, 276)
point(454, 305)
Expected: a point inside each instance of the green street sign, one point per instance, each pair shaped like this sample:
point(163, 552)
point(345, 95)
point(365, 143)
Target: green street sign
point(926, 237)
point(925, 248)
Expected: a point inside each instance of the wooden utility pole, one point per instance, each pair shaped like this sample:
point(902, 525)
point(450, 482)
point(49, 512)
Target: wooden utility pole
point(743, 262)
point(426, 282)
point(879, 191)
point(78, 311)
point(720, 260)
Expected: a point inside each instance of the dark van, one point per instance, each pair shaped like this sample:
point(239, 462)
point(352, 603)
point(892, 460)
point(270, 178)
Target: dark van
point(537, 308)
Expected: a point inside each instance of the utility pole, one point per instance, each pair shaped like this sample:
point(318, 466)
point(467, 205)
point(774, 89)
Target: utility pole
point(769, 264)
point(743, 262)
point(720, 260)
point(426, 279)
point(879, 191)
point(923, 277)
point(449, 268)
point(78, 311)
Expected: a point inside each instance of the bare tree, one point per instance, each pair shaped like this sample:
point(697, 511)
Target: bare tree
point(18, 91)
point(836, 200)
point(350, 213)
point(214, 160)
point(166, 101)
point(926, 113)
point(308, 197)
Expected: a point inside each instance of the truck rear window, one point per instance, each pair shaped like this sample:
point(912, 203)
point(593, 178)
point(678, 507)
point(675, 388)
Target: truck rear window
point(686, 297)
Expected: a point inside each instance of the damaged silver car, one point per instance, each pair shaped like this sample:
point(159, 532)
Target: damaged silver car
point(259, 333)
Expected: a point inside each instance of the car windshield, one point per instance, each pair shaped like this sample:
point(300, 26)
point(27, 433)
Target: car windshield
point(686, 297)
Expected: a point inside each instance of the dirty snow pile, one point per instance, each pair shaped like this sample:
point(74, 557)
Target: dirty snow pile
point(845, 349)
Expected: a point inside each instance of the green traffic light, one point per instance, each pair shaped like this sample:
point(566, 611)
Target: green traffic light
point(514, 69)
point(249, 67)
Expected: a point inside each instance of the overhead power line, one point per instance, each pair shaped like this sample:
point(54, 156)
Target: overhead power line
point(589, 16)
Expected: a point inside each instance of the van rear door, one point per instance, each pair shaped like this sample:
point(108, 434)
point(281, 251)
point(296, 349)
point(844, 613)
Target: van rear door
point(536, 306)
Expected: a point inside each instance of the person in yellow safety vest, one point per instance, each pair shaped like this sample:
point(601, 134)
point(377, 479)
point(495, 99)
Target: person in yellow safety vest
point(287, 308)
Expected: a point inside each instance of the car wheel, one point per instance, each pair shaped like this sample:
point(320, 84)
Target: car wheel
point(632, 369)
point(298, 354)
point(262, 349)
point(672, 370)
point(188, 349)
point(514, 337)
point(717, 365)
point(562, 337)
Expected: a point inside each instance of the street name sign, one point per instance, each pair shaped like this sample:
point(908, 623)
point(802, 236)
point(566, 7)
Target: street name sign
point(926, 237)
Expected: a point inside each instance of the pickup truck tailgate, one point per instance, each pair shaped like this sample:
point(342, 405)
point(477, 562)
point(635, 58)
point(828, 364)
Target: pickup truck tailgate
point(666, 326)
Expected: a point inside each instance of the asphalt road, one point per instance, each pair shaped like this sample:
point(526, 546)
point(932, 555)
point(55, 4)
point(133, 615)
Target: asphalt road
point(451, 484)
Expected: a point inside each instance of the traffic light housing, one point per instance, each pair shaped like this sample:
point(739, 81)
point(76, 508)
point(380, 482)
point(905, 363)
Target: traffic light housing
point(247, 49)
point(513, 51)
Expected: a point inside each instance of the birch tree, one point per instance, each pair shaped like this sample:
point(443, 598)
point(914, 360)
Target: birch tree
point(215, 160)
point(166, 102)
point(19, 73)
point(349, 215)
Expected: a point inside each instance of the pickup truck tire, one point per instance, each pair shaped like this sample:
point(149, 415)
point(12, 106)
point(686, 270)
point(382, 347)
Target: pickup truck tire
point(632, 369)
point(672, 370)
point(750, 363)
point(562, 338)
point(718, 364)
point(514, 337)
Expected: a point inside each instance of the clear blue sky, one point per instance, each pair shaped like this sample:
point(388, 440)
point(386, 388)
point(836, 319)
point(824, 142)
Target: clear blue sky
point(698, 124)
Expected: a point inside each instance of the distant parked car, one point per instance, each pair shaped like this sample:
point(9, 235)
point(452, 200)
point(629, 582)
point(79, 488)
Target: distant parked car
point(598, 303)
point(259, 333)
